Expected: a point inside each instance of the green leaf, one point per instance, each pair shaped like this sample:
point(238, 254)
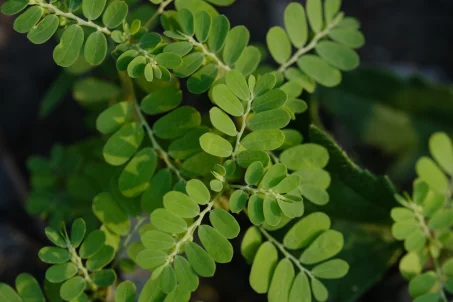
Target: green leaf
point(202, 80)
point(305, 156)
point(291, 209)
point(248, 61)
point(306, 230)
point(95, 48)
point(222, 122)
point(101, 258)
point(187, 279)
point(12, 7)
point(157, 240)
point(265, 84)
point(78, 230)
point(250, 243)
point(238, 85)
point(422, 284)
point(123, 144)
point(125, 59)
point(200, 260)
point(236, 41)
point(319, 70)
point(150, 40)
point(181, 204)
point(67, 51)
point(55, 237)
point(226, 100)
point(238, 200)
point(314, 13)
point(247, 157)
point(268, 120)
point(44, 30)
point(111, 119)
point(273, 99)
point(272, 212)
point(200, 164)
point(264, 140)
point(6, 291)
point(332, 269)
point(166, 221)
point(288, 184)
point(198, 191)
point(125, 292)
point(152, 292)
point(278, 44)
point(177, 123)
point(441, 220)
point(338, 55)
point(91, 90)
point(224, 223)
point(319, 290)
point(151, 259)
point(138, 172)
point(54, 255)
point(115, 14)
point(254, 173)
point(216, 185)
point(167, 279)
point(72, 288)
point(136, 67)
point(104, 278)
point(255, 209)
point(189, 65)
point(217, 246)
point(61, 272)
point(441, 147)
point(92, 244)
point(181, 48)
point(28, 19)
point(222, 2)
point(274, 175)
point(92, 9)
point(177, 295)
point(28, 288)
point(296, 24)
point(400, 214)
point(215, 145)
point(348, 36)
point(168, 60)
point(162, 100)
point(218, 34)
point(108, 212)
point(281, 281)
point(300, 289)
point(263, 267)
point(186, 21)
point(429, 172)
point(327, 245)
point(160, 185)
point(331, 9)
point(203, 23)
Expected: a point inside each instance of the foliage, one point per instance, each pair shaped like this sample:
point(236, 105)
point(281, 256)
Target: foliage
point(179, 168)
point(424, 223)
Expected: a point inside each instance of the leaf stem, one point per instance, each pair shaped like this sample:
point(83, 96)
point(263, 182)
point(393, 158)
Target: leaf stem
point(188, 236)
point(158, 12)
point(287, 254)
point(262, 191)
point(71, 16)
point(243, 125)
point(311, 45)
point(208, 53)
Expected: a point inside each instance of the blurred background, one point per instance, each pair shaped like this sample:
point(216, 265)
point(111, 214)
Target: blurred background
point(382, 115)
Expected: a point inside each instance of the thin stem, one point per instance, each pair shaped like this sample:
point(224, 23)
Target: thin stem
point(310, 45)
point(188, 236)
point(287, 254)
point(207, 53)
point(158, 12)
point(268, 192)
point(273, 156)
point(243, 125)
point(71, 16)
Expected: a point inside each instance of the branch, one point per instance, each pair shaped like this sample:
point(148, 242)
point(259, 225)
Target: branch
point(159, 11)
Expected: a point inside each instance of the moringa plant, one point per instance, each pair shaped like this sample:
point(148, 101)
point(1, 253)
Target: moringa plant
point(176, 175)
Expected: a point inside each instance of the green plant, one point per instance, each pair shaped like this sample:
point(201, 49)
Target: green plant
point(183, 170)
point(424, 223)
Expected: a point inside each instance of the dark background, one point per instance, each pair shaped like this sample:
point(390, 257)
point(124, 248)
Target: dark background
point(403, 36)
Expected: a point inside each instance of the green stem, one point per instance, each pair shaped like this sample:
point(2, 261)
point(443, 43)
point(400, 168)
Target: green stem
point(287, 254)
point(188, 235)
point(268, 192)
point(71, 16)
point(158, 12)
point(243, 126)
point(310, 45)
point(208, 53)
